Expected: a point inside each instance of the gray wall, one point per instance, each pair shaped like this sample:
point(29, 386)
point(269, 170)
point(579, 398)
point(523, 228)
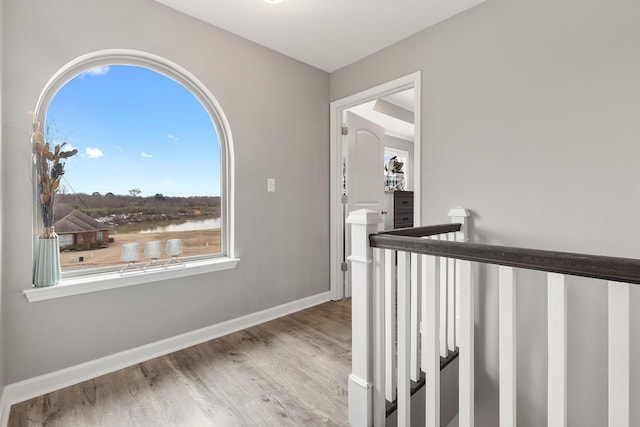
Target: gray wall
point(277, 109)
point(530, 119)
point(2, 240)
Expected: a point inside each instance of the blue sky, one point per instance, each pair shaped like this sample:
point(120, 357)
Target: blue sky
point(135, 129)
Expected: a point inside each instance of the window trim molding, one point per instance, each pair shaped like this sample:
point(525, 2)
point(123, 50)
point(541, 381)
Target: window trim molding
point(190, 82)
point(104, 281)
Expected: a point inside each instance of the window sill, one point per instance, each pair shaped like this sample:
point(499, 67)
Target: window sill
point(101, 282)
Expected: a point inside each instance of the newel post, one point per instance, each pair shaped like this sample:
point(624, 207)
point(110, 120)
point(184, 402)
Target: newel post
point(363, 223)
point(460, 216)
point(465, 323)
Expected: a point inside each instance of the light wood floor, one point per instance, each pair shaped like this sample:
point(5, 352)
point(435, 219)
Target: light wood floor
point(288, 372)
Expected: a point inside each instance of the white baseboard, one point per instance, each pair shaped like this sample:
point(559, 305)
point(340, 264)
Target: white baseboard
point(37, 386)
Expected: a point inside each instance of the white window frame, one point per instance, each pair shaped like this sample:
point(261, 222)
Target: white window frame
point(65, 240)
point(94, 280)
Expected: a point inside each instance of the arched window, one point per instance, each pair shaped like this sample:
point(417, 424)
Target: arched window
point(154, 164)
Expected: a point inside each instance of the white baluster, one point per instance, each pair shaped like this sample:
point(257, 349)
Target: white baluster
point(457, 265)
point(379, 401)
point(557, 336)
point(507, 331)
point(451, 299)
point(404, 340)
point(443, 301)
point(619, 354)
point(363, 223)
point(425, 313)
point(390, 324)
point(416, 279)
point(431, 337)
point(466, 395)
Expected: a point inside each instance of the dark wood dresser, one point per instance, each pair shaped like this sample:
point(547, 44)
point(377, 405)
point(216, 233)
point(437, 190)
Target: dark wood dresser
point(399, 205)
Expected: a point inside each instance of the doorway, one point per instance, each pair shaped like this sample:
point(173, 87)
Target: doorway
point(338, 164)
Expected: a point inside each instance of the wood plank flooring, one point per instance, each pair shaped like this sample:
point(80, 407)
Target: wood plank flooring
point(291, 371)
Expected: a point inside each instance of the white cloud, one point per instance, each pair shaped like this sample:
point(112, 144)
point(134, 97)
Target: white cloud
point(173, 137)
point(97, 71)
point(146, 155)
point(94, 153)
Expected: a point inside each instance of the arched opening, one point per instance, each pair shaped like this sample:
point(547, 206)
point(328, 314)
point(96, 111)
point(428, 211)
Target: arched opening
point(154, 161)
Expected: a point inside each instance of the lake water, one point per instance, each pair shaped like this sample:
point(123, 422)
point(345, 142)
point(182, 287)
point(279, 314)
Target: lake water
point(202, 224)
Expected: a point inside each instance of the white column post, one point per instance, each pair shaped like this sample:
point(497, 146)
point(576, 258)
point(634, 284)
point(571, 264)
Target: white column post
point(466, 348)
point(459, 216)
point(363, 223)
point(465, 319)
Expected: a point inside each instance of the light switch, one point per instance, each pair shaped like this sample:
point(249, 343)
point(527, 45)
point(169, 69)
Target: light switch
point(271, 185)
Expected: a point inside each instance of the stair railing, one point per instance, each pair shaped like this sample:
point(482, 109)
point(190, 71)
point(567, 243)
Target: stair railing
point(428, 273)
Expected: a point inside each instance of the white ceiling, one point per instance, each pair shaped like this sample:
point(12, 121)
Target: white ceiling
point(327, 34)
point(404, 99)
point(392, 125)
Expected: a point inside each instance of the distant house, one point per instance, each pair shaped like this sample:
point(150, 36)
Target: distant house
point(75, 228)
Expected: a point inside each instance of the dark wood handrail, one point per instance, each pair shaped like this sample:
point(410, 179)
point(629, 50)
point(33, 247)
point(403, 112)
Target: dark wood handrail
point(598, 267)
point(429, 230)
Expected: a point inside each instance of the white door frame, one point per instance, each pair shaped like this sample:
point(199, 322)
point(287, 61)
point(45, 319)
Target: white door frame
point(336, 160)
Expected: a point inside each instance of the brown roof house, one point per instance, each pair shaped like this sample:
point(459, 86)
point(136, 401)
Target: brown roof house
point(77, 230)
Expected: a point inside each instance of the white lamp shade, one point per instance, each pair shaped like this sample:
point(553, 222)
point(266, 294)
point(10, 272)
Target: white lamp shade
point(130, 252)
point(153, 249)
point(174, 247)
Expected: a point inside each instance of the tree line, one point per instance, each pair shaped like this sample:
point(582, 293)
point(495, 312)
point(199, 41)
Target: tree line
point(135, 208)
